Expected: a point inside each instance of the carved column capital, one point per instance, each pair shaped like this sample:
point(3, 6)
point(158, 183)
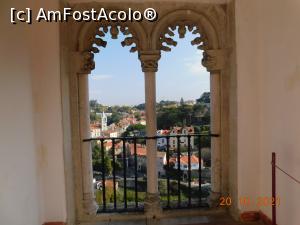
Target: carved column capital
point(88, 63)
point(83, 62)
point(149, 60)
point(214, 59)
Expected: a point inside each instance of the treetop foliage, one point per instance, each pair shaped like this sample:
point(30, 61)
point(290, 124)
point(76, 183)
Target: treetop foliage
point(169, 113)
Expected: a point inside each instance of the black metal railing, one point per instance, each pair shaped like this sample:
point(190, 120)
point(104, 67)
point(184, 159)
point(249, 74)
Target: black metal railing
point(275, 198)
point(120, 171)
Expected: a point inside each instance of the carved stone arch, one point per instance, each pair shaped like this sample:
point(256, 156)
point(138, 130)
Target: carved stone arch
point(216, 22)
point(87, 42)
point(209, 29)
point(90, 40)
point(197, 23)
point(187, 17)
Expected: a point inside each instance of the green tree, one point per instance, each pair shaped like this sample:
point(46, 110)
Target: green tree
point(137, 116)
point(134, 128)
point(167, 118)
point(140, 106)
point(181, 102)
point(114, 118)
point(97, 160)
point(93, 104)
point(205, 98)
point(96, 107)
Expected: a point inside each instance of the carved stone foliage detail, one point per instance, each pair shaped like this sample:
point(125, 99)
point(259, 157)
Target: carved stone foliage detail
point(213, 60)
point(88, 62)
point(149, 65)
point(166, 38)
point(149, 60)
point(96, 41)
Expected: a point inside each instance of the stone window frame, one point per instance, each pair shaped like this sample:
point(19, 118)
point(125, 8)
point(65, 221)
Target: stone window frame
point(216, 23)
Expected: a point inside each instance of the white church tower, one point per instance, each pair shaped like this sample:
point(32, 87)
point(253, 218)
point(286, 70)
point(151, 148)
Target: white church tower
point(103, 122)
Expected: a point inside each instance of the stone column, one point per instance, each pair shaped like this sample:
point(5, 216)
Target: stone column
point(149, 61)
point(213, 60)
point(89, 203)
point(215, 116)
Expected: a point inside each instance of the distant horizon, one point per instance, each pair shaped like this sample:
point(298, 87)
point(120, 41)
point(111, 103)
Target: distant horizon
point(144, 101)
point(119, 80)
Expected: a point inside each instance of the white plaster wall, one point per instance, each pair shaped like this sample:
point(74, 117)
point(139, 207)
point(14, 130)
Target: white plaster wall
point(45, 57)
point(280, 108)
point(19, 194)
point(32, 189)
point(268, 66)
point(248, 105)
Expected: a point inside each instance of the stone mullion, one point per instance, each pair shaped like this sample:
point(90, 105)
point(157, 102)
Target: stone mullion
point(89, 203)
point(213, 60)
point(149, 61)
point(215, 116)
point(150, 97)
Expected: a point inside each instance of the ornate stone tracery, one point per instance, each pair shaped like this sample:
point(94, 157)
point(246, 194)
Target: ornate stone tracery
point(203, 25)
point(149, 40)
point(149, 60)
point(213, 60)
point(166, 40)
point(96, 41)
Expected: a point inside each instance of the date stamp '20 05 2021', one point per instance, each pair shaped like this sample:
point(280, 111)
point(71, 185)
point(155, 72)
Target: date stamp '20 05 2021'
point(261, 201)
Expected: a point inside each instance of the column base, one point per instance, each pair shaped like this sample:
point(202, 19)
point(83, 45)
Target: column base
point(214, 199)
point(90, 206)
point(152, 221)
point(152, 206)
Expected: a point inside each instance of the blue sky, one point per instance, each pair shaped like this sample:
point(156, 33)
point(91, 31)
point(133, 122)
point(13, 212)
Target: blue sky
point(118, 79)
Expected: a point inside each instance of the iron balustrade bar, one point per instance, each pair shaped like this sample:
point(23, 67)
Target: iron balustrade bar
point(204, 205)
point(114, 173)
point(274, 198)
point(274, 188)
point(189, 170)
point(103, 176)
point(179, 170)
point(124, 175)
point(180, 154)
point(121, 210)
point(135, 174)
point(168, 172)
point(199, 172)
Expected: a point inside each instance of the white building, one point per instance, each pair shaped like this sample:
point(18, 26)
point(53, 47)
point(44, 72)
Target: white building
point(183, 140)
point(143, 122)
point(184, 162)
point(95, 130)
point(141, 152)
point(103, 122)
point(162, 142)
point(161, 161)
point(110, 133)
point(113, 134)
